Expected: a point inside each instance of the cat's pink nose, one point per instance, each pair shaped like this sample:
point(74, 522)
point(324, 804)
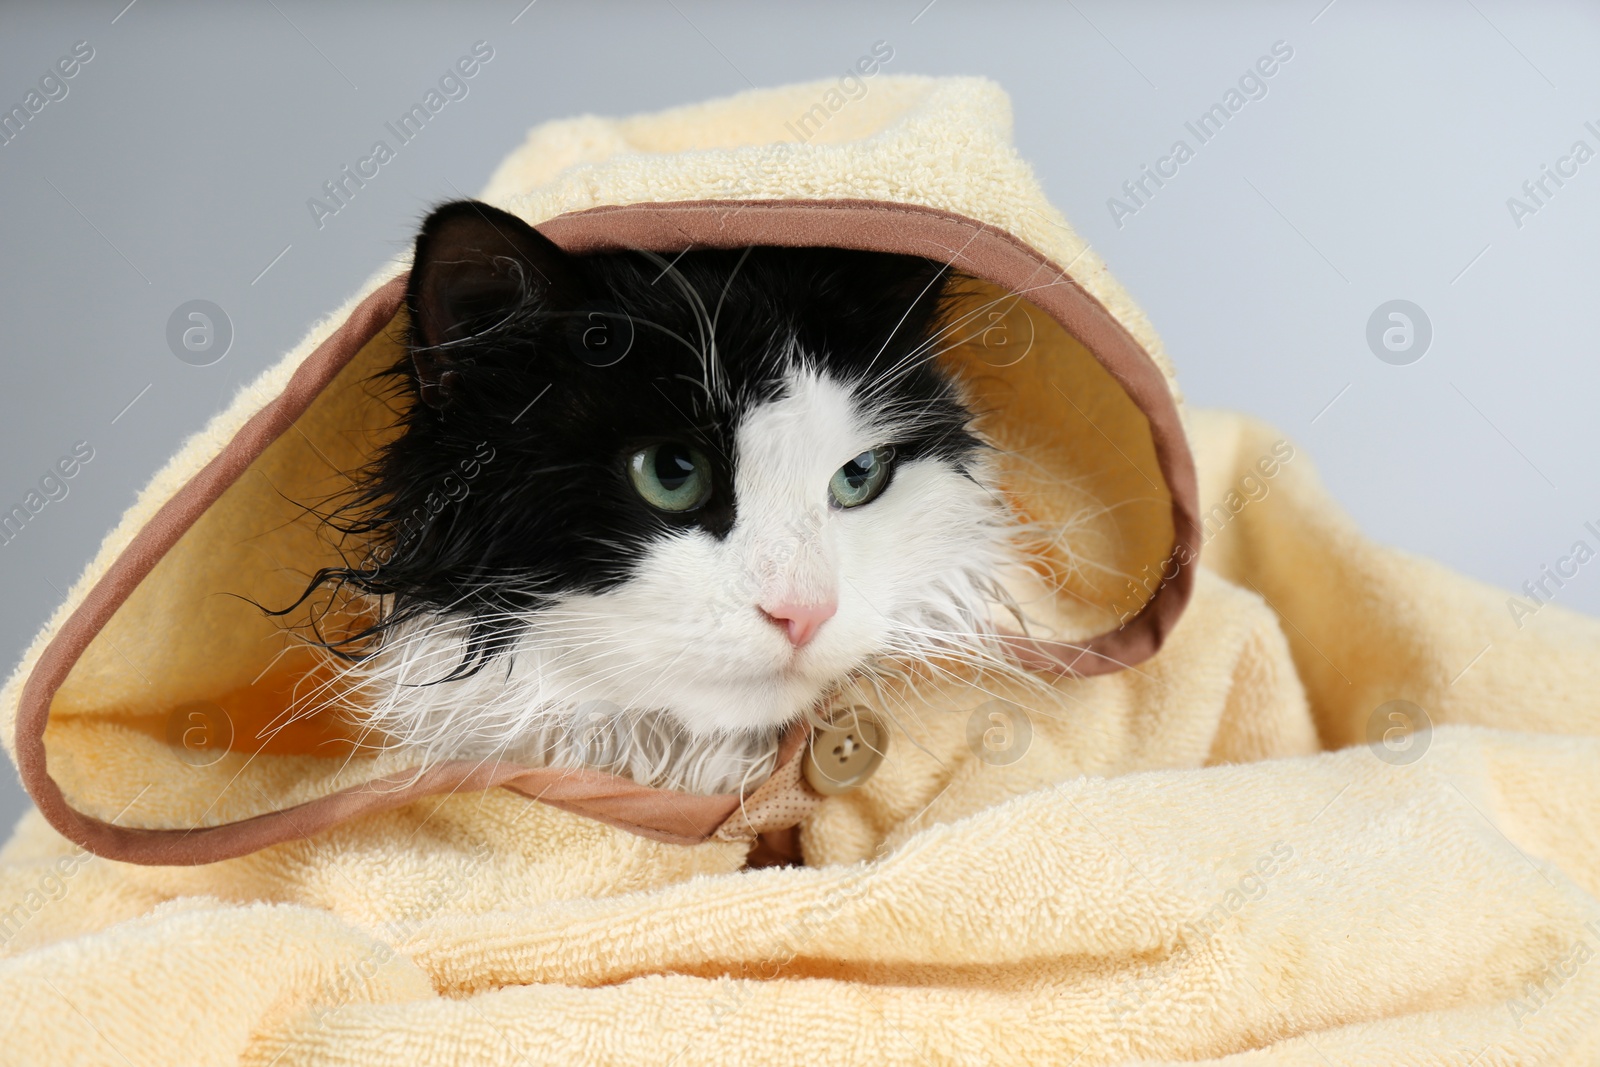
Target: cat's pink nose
point(801, 621)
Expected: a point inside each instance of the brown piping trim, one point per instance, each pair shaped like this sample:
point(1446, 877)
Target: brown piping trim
point(973, 247)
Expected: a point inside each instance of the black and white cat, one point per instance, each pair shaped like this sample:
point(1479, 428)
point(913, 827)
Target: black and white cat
point(699, 494)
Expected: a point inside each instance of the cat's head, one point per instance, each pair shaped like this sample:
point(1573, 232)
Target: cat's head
point(711, 485)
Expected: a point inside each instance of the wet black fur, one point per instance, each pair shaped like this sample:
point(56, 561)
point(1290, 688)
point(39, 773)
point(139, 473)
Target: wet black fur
point(516, 353)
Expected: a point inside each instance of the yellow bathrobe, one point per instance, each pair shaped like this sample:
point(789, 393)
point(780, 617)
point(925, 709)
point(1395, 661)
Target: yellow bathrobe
point(1271, 793)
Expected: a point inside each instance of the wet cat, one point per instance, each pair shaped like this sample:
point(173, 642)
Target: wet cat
point(684, 499)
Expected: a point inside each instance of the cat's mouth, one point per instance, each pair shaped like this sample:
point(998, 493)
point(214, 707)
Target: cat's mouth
point(804, 666)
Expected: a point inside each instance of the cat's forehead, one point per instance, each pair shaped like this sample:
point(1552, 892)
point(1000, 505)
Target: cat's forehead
point(814, 423)
point(779, 406)
point(770, 377)
point(734, 328)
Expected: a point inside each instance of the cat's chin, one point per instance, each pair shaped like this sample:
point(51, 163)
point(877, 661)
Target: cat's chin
point(768, 704)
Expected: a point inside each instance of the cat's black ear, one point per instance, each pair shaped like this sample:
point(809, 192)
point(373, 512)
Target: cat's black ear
point(474, 265)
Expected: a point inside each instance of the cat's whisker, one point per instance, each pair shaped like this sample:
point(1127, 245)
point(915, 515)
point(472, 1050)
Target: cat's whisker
point(707, 351)
point(926, 352)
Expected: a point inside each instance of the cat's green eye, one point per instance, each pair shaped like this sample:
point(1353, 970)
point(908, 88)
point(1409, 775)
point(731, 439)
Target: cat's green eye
point(671, 476)
point(860, 480)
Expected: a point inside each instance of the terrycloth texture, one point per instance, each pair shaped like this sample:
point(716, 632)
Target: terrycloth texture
point(1197, 859)
point(1318, 908)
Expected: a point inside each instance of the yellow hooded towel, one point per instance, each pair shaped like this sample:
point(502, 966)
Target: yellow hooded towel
point(1269, 793)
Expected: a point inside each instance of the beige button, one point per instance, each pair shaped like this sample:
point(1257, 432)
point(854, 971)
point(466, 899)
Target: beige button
point(845, 754)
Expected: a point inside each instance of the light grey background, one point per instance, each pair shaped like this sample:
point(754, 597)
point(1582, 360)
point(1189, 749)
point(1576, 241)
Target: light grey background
point(1377, 167)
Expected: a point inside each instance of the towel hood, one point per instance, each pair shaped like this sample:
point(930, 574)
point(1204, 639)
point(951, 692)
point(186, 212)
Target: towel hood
point(139, 717)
